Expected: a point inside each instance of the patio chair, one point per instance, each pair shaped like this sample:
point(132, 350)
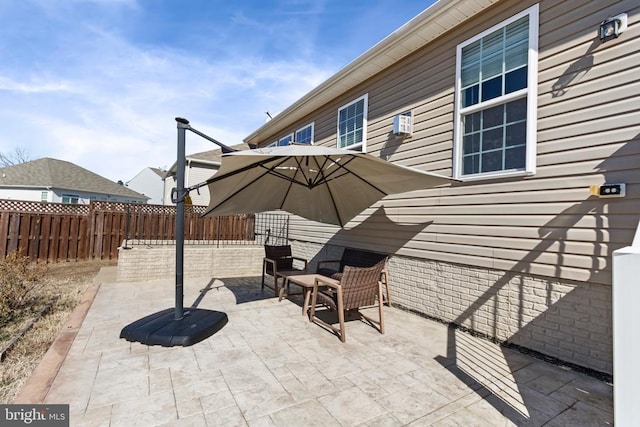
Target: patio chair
point(356, 258)
point(279, 259)
point(358, 287)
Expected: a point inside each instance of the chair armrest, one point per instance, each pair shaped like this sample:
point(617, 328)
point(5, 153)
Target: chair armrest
point(301, 260)
point(330, 283)
point(326, 281)
point(273, 262)
point(270, 260)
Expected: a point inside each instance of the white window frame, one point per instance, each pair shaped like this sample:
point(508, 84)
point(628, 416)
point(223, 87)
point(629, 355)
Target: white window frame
point(362, 145)
point(70, 199)
point(289, 136)
point(530, 93)
point(310, 125)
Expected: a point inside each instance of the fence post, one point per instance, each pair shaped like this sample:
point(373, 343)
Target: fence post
point(91, 229)
point(126, 228)
point(218, 232)
point(36, 236)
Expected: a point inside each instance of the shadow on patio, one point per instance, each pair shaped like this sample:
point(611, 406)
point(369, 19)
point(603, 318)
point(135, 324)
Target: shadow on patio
point(270, 366)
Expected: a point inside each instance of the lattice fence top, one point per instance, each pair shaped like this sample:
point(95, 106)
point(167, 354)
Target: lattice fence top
point(95, 205)
point(43, 207)
point(98, 205)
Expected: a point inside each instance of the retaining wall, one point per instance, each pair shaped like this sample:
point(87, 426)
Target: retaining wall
point(146, 262)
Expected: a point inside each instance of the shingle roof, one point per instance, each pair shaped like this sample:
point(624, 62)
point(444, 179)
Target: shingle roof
point(160, 172)
point(209, 157)
point(47, 172)
point(216, 154)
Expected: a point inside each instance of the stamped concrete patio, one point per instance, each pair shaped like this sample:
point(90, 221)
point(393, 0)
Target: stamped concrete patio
point(270, 366)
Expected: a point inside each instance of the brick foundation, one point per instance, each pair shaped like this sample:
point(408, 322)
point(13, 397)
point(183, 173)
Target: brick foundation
point(569, 321)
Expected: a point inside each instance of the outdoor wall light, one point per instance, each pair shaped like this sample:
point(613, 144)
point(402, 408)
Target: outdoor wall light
point(612, 27)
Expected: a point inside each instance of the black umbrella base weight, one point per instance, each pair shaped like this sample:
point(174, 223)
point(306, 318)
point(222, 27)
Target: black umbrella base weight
point(163, 329)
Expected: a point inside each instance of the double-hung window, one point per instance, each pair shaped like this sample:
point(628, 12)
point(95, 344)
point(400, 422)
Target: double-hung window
point(286, 140)
point(352, 125)
point(305, 135)
point(496, 79)
point(70, 198)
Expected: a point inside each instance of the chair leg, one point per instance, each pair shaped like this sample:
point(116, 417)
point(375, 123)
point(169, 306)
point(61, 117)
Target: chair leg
point(307, 297)
point(275, 284)
point(312, 309)
point(380, 308)
point(312, 314)
point(380, 320)
point(343, 337)
point(385, 278)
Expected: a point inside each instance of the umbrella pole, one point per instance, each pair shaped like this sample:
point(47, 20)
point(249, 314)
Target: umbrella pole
point(172, 326)
point(180, 165)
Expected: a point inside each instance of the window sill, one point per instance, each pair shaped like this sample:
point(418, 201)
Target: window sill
point(490, 176)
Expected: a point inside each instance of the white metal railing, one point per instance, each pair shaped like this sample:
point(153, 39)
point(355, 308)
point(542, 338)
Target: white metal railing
point(626, 340)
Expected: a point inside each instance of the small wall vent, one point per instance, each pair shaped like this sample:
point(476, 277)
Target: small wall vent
point(403, 125)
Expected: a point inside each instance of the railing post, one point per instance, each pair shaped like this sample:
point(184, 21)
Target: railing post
point(626, 346)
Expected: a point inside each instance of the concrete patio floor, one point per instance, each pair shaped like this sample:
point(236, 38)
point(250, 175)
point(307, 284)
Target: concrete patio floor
point(270, 366)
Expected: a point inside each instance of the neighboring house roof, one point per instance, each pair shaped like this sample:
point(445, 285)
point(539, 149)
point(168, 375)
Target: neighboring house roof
point(211, 157)
point(53, 173)
point(432, 23)
point(160, 172)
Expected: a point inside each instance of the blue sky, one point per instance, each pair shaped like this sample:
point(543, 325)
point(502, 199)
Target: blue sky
point(99, 82)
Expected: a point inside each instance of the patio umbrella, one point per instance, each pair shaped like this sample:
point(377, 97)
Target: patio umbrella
point(323, 184)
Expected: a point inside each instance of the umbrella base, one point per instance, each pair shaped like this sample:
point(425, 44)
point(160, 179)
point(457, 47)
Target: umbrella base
point(163, 329)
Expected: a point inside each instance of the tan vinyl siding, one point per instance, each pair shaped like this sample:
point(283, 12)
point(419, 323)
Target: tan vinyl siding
point(588, 132)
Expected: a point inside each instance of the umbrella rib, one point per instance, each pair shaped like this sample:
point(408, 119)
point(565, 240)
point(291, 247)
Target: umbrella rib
point(217, 177)
point(288, 178)
point(358, 176)
point(268, 170)
point(260, 164)
point(301, 176)
point(333, 201)
point(346, 171)
point(322, 178)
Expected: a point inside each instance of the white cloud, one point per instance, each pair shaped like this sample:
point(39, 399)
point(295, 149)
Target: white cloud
point(33, 86)
point(99, 82)
point(117, 116)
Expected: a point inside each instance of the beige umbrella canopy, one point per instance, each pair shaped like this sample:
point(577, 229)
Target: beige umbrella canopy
point(323, 184)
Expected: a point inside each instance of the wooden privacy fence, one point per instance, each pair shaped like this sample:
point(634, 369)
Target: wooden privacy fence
point(53, 232)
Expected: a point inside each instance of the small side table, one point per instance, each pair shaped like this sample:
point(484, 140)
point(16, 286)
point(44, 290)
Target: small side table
point(305, 281)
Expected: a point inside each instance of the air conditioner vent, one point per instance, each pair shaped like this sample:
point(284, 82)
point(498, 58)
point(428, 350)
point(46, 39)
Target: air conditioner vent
point(403, 125)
